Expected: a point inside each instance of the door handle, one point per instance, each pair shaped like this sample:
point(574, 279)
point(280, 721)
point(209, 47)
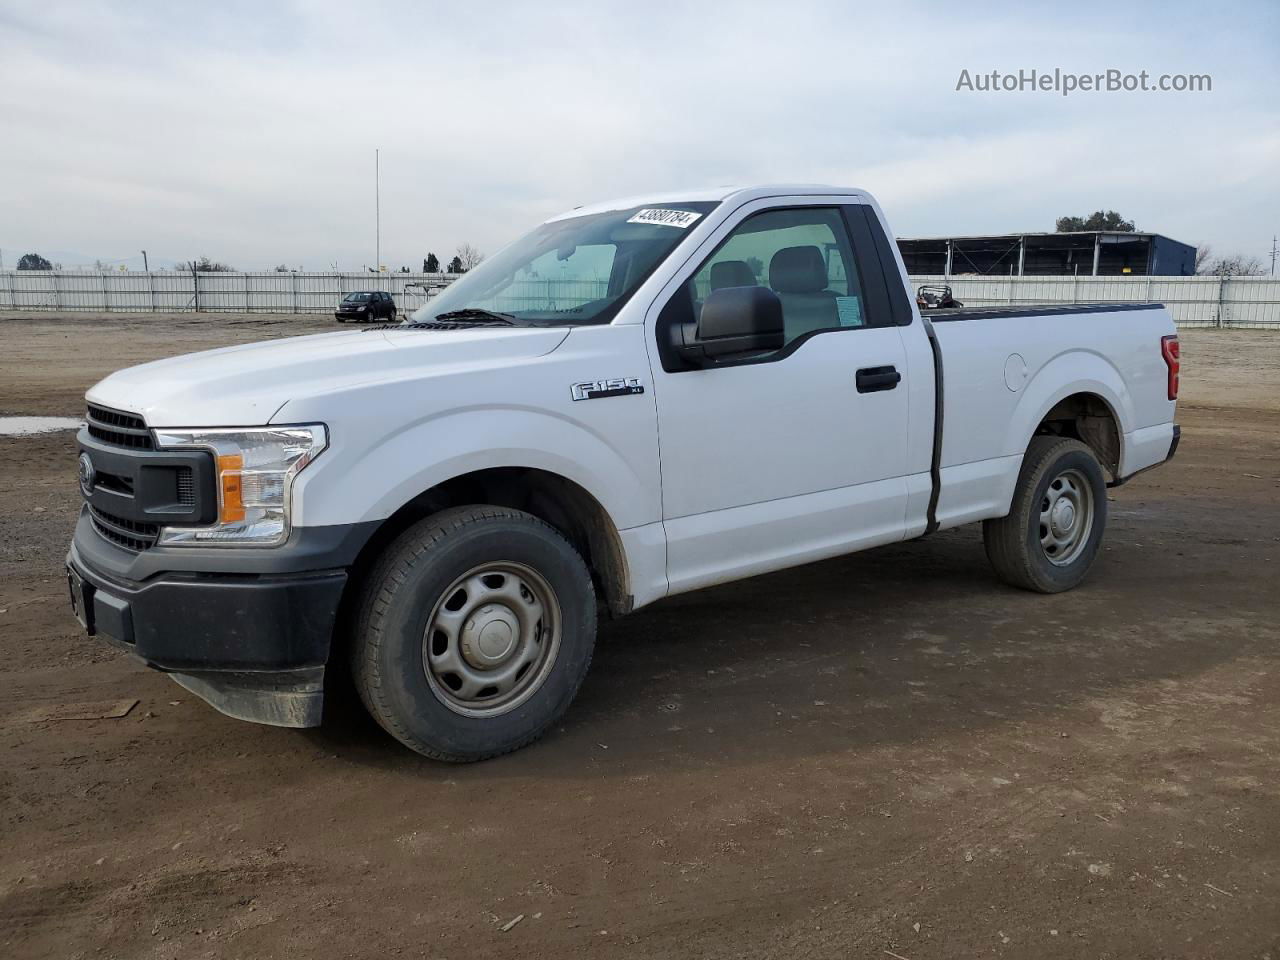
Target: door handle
point(873, 379)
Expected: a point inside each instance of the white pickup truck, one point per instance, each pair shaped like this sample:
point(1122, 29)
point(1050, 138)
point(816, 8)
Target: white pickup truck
point(636, 399)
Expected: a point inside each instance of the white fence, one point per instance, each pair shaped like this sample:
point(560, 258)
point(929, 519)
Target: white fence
point(1193, 301)
point(178, 292)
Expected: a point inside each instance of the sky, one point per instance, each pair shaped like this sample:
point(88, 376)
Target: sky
point(245, 131)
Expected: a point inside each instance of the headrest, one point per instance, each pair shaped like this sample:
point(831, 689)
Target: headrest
point(798, 270)
point(731, 273)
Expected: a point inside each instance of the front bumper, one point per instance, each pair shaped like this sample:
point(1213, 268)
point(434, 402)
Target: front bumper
point(253, 644)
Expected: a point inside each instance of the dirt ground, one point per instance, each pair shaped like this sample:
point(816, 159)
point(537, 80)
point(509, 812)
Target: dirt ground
point(886, 755)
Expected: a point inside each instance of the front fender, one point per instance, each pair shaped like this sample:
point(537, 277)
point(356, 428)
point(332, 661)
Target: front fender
point(370, 473)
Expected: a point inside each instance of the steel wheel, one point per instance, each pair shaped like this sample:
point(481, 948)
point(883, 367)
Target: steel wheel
point(492, 638)
point(1066, 517)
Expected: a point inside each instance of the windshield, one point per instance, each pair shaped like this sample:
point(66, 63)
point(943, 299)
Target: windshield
point(574, 271)
point(357, 297)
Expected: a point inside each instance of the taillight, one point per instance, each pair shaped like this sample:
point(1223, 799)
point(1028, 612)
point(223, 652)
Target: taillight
point(1172, 354)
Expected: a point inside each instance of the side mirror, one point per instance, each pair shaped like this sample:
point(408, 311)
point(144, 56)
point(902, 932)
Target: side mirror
point(735, 320)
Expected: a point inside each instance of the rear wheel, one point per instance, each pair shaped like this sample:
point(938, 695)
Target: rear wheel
point(475, 631)
point(1054, 528)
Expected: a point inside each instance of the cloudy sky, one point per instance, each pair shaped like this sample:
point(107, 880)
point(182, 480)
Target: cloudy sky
point(245, 131)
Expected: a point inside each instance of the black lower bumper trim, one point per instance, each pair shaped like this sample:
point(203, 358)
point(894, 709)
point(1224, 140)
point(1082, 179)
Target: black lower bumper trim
point(254, 648)
point(202, 622)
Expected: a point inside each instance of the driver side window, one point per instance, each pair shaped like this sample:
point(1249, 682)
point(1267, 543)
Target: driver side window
point(803, 255)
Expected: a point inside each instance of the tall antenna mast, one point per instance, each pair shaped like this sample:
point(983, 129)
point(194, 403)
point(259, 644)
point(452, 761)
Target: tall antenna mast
point(377, 211)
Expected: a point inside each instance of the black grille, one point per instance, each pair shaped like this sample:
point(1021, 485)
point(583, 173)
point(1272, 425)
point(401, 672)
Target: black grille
point(127, 533)
point(186, 487)
point(118, 429)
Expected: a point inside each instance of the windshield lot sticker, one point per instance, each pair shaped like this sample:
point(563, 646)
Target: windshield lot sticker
point(666, 218)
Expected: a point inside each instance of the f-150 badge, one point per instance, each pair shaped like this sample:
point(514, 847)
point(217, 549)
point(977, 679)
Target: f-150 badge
point(599, 389)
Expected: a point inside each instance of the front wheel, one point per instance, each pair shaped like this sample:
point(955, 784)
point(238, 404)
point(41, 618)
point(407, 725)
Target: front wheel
point(475, 631)
point(1054, 528)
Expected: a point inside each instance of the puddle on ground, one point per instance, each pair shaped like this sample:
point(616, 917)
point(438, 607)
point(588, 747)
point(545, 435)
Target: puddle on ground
point(25, 426)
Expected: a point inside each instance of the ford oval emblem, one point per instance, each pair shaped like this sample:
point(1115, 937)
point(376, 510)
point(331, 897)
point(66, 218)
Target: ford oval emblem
point(88, 475)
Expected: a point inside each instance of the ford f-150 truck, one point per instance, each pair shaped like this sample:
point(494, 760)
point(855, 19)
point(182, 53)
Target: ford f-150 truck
point(636, 399)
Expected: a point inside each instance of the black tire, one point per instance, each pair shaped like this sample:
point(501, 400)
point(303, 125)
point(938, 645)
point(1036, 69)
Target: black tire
point(408, 585)
point(1014, 542)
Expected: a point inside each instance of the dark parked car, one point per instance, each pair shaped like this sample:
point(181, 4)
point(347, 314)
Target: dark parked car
point(366, 305)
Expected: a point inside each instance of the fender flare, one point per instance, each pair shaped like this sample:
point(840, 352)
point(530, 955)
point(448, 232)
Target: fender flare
point(393, 469)
point(1066, 375)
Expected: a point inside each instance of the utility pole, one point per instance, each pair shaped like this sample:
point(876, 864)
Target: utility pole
point(377, 211)
point(1275, 254)
point(145, 266)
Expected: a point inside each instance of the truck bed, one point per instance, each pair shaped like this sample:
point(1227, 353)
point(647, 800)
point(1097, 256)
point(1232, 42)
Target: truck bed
point(1003, 371)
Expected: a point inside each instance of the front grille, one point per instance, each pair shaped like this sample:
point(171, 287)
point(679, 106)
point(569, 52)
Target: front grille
point(118, 429)
point(137, 489)
point(114, 482)
point(126, 533)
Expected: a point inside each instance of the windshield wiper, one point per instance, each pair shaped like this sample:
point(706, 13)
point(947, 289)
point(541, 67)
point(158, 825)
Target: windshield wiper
point(477, 314)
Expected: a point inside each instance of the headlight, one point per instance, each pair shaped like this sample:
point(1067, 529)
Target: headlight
point(362, 309)
point(255, 471)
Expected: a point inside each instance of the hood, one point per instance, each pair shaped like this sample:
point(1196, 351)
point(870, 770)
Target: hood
point(244, 386)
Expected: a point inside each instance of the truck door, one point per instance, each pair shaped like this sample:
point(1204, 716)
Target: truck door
point(776, 459)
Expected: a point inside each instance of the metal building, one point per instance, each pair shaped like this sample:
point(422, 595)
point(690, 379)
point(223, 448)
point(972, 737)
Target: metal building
point(1088, 253)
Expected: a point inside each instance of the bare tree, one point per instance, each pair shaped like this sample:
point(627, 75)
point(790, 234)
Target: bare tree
point(468, 256)
point(1204, 257)
point(1235, 265)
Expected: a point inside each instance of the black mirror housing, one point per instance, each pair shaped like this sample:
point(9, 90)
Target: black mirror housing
point(736, 320)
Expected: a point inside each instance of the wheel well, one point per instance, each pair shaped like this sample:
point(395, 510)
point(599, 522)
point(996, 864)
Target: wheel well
point(1089, 419)
point(563, 504)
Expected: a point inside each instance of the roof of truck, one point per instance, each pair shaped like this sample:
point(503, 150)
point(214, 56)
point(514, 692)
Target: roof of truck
point(710, 193)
